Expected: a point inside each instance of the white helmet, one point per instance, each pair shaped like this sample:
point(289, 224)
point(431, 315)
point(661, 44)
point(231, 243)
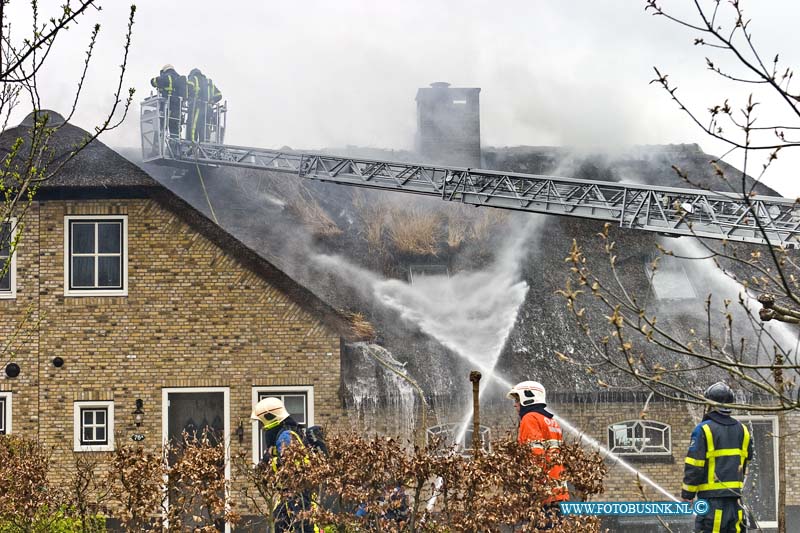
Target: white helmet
point(270, 411)
point(167, 67)
point(528, 392)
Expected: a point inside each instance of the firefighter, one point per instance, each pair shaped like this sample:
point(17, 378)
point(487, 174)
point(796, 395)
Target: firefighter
point(281, 428)
point(172, 87)
point(542, 433)
point(719, 450)
point(213, 97)
point(203, 99)
point(196, 88)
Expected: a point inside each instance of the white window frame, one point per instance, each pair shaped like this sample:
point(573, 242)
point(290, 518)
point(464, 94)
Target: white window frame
point(279, 390)
point(775, 430)
point(7, 412)
point(12, 268)
point(666, 443)
point(68, 220)
point(78, 426)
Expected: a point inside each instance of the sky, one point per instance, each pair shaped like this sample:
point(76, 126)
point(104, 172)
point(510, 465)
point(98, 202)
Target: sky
point(313, 74)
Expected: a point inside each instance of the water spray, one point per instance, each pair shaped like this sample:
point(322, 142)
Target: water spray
point(472, 314)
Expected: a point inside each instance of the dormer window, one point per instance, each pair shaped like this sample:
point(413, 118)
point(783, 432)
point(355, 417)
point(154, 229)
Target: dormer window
point(670, 280)
point(95, 255)
point(417, 272)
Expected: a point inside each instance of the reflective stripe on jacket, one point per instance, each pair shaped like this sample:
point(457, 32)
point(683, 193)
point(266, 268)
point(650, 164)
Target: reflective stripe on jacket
point(283, 441)
point(717, 459)
point(213, 94)
point(170, 83)
point(543, 435)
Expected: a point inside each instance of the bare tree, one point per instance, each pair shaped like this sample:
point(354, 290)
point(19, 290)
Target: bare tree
point(629, 342)
point(30, 159)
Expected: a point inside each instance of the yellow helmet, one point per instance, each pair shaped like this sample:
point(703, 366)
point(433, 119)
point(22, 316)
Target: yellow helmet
point(270, 411)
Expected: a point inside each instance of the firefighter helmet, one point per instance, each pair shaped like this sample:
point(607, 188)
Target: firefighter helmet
point(270, 411)
point(720, 392)
point(528, 392)
point(167, 67)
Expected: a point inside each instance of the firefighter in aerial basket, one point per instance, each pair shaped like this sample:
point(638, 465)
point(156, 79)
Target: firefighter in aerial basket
point(539, 430)
point(719, 451)
point(172, 89)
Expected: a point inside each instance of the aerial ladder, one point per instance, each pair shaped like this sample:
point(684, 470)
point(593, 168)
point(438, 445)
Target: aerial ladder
point(670, 211)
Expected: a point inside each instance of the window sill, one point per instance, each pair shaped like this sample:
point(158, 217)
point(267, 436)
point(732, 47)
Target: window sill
point(82, 293)
point(97, 448)
point(646, 458)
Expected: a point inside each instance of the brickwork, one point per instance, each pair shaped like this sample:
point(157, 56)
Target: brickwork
point(19, 339)
point(620, 483)
point(193, 317)
point(667, 472)
point(592, 418)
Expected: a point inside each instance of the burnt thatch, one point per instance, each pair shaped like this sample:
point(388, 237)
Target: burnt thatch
point(256, 206)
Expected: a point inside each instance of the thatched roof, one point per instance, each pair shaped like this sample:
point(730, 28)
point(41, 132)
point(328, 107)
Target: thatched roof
point(97, 171)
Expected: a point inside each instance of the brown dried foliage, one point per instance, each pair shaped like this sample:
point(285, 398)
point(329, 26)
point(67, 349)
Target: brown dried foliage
point(489, 492)
point(27, 498)
point(390, 483)
point(136, 478)
point(196, 486)
point(87, 492)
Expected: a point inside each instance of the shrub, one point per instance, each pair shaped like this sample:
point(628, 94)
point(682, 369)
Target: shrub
point(25, 493)
point(61, 521)
point(380, 485)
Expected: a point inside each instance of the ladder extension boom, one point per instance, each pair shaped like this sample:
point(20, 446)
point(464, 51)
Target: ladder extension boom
point(668, 210)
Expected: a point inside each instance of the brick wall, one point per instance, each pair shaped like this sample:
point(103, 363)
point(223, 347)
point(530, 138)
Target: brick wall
point(19, 339)
point(193, 317)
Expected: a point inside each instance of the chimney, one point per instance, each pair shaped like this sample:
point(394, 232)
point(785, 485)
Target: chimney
point(449, 125)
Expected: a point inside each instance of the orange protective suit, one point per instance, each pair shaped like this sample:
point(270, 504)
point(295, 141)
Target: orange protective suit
point(543, 435)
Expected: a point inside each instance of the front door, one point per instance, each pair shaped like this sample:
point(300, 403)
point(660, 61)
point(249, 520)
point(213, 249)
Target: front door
point(190, 414)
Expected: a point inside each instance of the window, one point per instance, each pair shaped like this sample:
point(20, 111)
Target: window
point(299, 401)
point(417, 272)
point(94, 426)
point(670, 281)
point(8, 261)
point(95, 256)
point(760, 485)
point(5, 413)
point(640, 437)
